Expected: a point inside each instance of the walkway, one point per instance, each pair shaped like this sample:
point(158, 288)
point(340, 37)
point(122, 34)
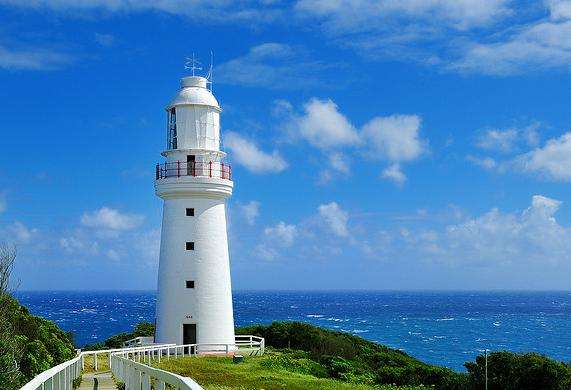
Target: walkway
point(97, 381)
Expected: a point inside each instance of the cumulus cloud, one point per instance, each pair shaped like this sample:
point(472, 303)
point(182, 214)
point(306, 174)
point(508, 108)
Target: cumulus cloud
point(111, 219)
point(76, 243)
point(251, 211)
point(334, 218)
point(552, 161)
point(395, 138)
point(323, 126)
point(559, 9)
point(282, 233)
point(496, 237)
point(394, 173)
point(19, 233)
point(275, 239)
point(249, 155)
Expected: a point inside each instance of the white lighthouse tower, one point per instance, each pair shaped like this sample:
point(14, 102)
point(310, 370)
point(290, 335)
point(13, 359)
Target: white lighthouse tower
point(194, 303)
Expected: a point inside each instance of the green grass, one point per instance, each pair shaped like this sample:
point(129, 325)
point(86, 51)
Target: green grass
point(274, 370)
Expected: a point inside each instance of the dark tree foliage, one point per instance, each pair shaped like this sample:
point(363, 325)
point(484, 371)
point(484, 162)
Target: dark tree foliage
point(354, 359)
point(528, 371)
point(39, 345)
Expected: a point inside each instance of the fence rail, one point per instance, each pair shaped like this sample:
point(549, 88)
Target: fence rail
point(198, 168)
point(132, 365)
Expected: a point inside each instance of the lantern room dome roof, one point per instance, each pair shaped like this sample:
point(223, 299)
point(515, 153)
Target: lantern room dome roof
point(193, 91)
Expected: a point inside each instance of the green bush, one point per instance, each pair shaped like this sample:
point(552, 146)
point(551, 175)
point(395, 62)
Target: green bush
point(30, 345)
point(507, 370)
point(353, 359)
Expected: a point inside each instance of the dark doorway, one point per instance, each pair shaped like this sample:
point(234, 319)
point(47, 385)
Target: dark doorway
point(191, 164)
point(189, 337)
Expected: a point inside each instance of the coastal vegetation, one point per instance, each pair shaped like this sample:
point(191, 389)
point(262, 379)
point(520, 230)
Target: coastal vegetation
point(355, 360)
point(299, 356)
point(288, 369)
point(28, 344)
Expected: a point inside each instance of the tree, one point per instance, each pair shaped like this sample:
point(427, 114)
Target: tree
point(10, 346)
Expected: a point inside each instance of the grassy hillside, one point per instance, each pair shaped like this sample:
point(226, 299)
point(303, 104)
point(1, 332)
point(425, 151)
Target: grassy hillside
point(353, 359)
point(292, 370)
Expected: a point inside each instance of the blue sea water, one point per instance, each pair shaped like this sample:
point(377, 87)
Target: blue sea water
point(445, 328)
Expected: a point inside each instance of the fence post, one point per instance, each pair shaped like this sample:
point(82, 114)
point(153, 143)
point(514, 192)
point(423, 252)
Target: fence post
point(95, 361)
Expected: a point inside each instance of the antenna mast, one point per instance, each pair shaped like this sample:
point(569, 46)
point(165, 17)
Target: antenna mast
point(210, 76)
point(192, 64)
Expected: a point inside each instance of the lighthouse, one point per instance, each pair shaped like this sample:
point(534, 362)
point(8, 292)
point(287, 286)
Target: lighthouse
point(194, 301)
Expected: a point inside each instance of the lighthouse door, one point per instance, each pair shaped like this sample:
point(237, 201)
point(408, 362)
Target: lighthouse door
point(189, 334)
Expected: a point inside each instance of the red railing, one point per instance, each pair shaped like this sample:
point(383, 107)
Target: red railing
point(200, 169)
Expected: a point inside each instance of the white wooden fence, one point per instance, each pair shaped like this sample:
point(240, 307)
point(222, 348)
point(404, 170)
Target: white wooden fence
point(132, 365)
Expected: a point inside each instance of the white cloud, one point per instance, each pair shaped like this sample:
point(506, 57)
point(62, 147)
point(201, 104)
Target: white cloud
point(249, 155)
point(339, 162)
point(334, 218)
point(552, 161)
point(32, 58)
point(559, 9)
point(483, 162)
point(371, 15)
point(20, 233)
point(201, 10)
point(251, 211)
point(508, 140)
point(394, 138)
point(495, 237)
point(111, 219)
point(275, 240)
point(77, 243)
point(394, 173)
point(544, 45)
point(282, 233)
point(499, 140)
point(273, 65)
point(323, 126)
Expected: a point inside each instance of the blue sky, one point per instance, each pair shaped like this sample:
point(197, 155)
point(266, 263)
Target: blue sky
point(375, 144)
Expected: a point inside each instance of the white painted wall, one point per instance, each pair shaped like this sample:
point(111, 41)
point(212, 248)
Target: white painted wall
point(209, 303)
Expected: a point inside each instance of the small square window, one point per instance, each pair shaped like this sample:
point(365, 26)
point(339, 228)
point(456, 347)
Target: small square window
point(190, 246)
point(189, 212)
point(190, 284)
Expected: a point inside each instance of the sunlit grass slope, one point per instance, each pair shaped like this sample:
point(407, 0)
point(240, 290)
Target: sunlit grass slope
point(274, 370)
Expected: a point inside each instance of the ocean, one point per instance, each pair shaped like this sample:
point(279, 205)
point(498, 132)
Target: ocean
point(444, 328)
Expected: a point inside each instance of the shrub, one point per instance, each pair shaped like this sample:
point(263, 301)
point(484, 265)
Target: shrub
point(507, 370)
point(31, 345)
